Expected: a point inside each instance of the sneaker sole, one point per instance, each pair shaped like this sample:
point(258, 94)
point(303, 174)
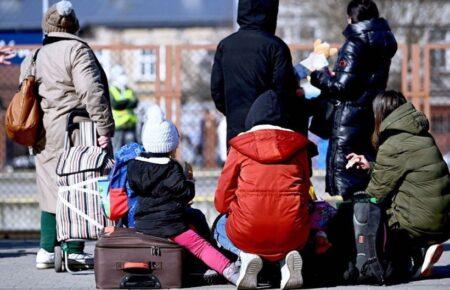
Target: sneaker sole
point(250, 278)
point(294, 263)
point(432, 256)
point(42, 266)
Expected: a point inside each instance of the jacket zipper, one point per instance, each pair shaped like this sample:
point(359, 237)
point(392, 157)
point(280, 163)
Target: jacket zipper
point(336, 126)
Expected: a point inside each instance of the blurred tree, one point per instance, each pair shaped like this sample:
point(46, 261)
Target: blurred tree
point(196, 75)
point(411, 20)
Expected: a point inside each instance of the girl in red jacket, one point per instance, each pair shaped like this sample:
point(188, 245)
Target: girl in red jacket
point(263, 192)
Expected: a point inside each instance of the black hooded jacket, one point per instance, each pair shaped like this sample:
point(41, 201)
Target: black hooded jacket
point(251, 62)
point(361, 72)
point(163, 194)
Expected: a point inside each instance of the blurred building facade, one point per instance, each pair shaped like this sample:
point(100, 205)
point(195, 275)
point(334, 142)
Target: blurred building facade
point(166, 47)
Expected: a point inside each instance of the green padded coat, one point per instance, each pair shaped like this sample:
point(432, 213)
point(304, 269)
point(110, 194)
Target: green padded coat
point(411, 175)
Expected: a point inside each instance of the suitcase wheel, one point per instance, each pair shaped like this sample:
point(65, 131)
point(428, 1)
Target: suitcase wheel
point(59, 263)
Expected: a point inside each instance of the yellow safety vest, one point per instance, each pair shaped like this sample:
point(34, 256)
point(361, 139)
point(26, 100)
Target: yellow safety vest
point(123, 119)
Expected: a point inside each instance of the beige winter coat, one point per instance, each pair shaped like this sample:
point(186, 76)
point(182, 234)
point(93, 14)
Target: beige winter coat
point(68, 78)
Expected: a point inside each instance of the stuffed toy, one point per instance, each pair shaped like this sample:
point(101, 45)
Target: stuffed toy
point(324, 48)
point(316, 60)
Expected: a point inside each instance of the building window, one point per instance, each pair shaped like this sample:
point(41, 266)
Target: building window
point(146, 65)
point(441, 123)
point(440, 58)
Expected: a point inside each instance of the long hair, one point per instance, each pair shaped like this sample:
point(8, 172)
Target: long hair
point(360, 10)
point(383, 105)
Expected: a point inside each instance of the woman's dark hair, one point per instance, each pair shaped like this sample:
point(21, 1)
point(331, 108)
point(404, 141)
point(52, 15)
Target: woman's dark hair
point(360, 10)
point(383, 105)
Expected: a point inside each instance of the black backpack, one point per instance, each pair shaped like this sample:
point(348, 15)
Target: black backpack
point(371, 265)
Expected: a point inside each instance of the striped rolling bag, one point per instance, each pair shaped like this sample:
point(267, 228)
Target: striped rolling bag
point(82, 173)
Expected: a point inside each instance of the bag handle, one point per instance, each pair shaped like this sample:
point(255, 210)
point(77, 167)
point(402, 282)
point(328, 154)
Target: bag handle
point(138, 266)
point(71, 125)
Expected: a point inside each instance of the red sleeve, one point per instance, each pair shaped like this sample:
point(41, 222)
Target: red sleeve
point(226, 188)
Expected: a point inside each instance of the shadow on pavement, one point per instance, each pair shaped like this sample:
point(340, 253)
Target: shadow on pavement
point(441, 272)
point(18, 244)
point(16, 254)
point(446, 247)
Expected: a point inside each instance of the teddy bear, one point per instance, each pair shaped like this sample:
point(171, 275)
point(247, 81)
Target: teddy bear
point(324, 48)
point(317, 59)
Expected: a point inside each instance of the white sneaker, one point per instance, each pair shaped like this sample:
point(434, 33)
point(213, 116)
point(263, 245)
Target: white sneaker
point(45, 260)
point(83, 258)
point(291, 271)
point(250, 267)
point(432, 256)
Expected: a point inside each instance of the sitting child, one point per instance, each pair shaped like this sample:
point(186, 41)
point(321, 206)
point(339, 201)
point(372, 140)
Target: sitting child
point(164, 193)
point(263, 194)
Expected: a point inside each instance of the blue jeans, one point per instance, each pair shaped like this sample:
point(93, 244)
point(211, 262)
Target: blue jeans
point(220, 235)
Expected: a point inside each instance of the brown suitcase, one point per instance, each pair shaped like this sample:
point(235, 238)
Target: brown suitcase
point(126, 259)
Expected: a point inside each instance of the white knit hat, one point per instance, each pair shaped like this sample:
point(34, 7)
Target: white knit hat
point(159, 135)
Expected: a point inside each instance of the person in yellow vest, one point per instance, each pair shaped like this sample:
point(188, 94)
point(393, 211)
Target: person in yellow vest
point(123, 103)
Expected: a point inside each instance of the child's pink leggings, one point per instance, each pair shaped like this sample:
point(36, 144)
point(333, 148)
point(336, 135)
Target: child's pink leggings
point(203, 250)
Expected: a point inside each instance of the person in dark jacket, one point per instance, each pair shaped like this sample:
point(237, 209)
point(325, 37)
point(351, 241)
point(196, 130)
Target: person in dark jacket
point(410, 180)
point(251, 62)
point(164, 192)
point(361, 71)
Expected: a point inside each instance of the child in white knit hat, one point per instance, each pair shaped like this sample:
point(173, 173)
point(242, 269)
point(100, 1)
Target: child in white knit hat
point(164, 192)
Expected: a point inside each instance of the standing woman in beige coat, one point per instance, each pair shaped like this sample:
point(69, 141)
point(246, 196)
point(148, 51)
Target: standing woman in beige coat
point(68, 77)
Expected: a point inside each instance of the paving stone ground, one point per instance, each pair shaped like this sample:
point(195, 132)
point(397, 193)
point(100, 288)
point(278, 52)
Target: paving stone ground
point(17, 271)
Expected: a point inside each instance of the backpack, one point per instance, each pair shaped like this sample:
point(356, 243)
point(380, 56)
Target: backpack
point(120, 200)
point(370, 238)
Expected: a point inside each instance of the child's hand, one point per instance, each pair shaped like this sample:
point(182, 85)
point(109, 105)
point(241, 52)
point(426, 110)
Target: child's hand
point(358, 161)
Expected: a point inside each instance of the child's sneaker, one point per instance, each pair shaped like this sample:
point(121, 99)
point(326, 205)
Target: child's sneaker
point(291, 271)
point(231, 273)
point(432, 256)
point(44, 259)
point(250, 266)
point(211, 277)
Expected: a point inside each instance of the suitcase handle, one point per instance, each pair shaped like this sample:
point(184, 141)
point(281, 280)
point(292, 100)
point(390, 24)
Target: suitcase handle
point(140, 267)
point(135, 266)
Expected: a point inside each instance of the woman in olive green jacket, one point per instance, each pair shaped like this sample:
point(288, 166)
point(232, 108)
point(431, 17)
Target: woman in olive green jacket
point(409, 177)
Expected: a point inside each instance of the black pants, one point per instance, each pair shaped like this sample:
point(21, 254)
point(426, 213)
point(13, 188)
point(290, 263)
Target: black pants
point(328, 269)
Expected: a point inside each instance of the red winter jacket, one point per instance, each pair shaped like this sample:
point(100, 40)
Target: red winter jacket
point(264, 190)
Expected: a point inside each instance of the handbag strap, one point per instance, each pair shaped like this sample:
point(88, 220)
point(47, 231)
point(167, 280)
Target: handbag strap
point(32, 68)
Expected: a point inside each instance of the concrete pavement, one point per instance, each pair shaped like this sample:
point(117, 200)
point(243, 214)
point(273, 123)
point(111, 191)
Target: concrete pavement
point(17, 271)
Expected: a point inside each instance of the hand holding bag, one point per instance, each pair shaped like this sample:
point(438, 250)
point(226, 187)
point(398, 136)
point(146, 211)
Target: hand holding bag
point(23, 116)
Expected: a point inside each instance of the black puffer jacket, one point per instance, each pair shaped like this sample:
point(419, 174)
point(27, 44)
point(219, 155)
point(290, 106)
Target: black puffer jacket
point(163, 195)
point(251, 62)
point(361, 72)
